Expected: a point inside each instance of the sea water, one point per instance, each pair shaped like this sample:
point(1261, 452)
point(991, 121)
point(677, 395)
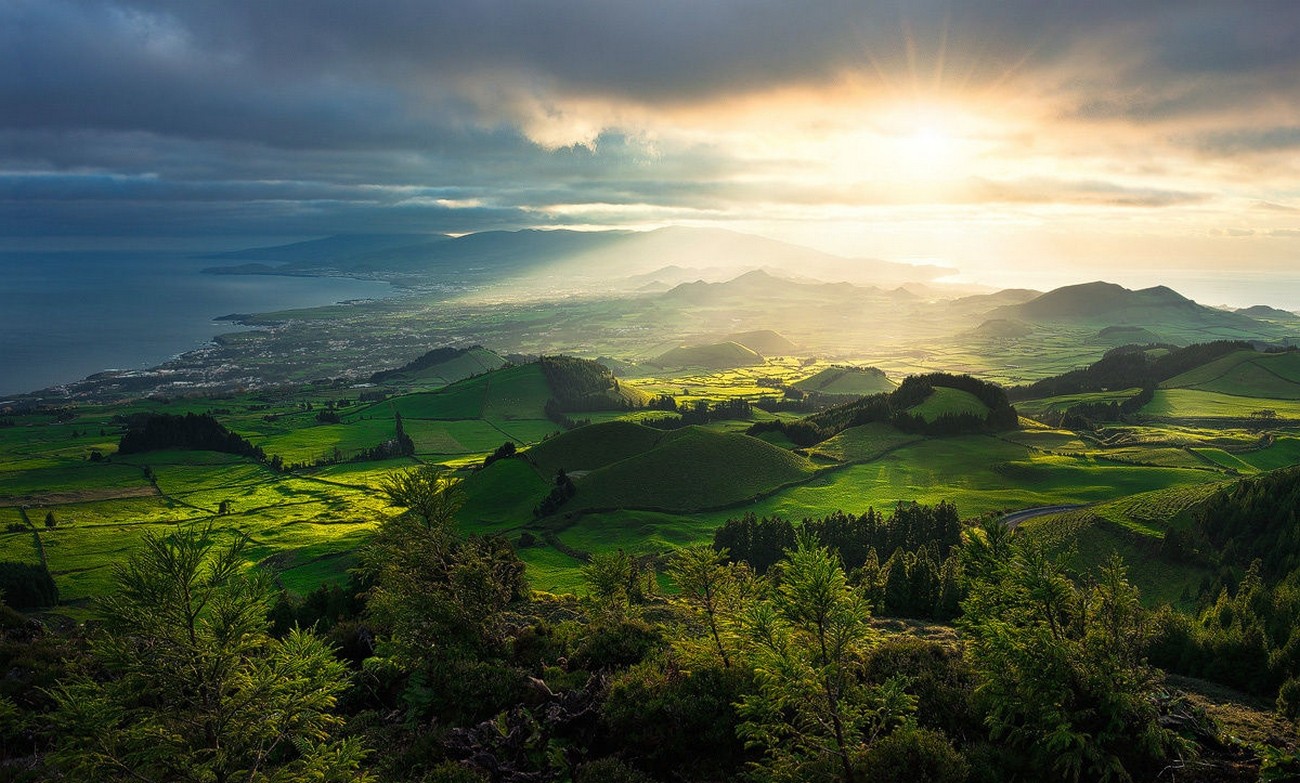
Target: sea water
point(67, 315)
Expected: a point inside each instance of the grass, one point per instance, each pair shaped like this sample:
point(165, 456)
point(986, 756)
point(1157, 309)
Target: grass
point(1196, 404)
point(502, 496)
point(1245, 374)
point(945, 400)
point(862, 443)
point(691, 469)
point(593, 446)
point(856, 381)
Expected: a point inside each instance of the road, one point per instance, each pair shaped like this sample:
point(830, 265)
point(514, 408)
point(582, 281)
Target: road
point(1016, 517)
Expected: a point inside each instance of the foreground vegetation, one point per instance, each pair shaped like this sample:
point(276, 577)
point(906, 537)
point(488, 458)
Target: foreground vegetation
point(476, 567)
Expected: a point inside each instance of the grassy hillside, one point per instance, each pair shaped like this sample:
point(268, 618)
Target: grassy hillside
point(691, 468)
point(593, 446)
point(501, 496)
point(945, 400)
point(765, 342)
point(442, 367)
point(859, 381)
point(717, 356)
point(1245, 374)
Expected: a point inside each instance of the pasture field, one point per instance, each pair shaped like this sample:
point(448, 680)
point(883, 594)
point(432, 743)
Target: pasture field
point(862, 443)
point(638, 488)
point(945, 400)
point(1247, 374)
point(1196, 404)
point(691, 469)
point(1058, 404)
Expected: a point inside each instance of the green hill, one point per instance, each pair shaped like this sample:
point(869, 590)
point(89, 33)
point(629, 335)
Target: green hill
point(1126, 335)
point(442, 366)
point(717, 356)
point(1245, 374)
point(592, 447)
point(689, 470)
point(946, 400)
point(516, 392)
point(1002, 329)
point(502, 494)
point(586, 385)
point(847, 380)
point(765, 342)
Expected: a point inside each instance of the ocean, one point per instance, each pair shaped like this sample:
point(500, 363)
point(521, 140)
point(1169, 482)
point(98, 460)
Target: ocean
point(67, 315)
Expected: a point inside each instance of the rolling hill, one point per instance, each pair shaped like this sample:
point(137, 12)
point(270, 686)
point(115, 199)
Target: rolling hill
point(847, 380)
point(1246, 374)
point(716, 356)
point(948, 401)
point(691, 469)
point(441, 366)
point(764, 341)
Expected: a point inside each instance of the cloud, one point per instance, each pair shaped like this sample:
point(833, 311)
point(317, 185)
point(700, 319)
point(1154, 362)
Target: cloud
point(461, 115)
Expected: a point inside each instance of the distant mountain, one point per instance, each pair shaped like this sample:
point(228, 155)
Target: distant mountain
point(760, 285)
point(629, 258)
point(1271, 313)
point(1160, 309)
point(330, 249)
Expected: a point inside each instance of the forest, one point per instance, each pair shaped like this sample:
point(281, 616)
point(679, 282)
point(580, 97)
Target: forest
point(889, 646)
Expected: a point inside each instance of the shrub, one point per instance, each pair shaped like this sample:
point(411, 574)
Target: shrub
point(617, 645)
point(610, 770)
point(1288, 699)
point(911, 754)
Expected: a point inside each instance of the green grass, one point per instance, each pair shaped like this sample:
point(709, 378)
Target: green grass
point(502, 495)
point(1245, 374)
point(945, 400)
point(593, 446)
point(1196, 404)
point(862, 443)
point(857, 381)
point(691, 468)
point(1058, 404)
point(979, 473)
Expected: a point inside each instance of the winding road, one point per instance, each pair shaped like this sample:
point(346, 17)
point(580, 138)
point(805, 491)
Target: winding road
point(1013, 519)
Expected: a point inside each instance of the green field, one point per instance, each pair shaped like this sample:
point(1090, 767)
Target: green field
point(691, 469)
point(1246, 374)
point(947, 401)
point(1196, 404)
point(855, 381)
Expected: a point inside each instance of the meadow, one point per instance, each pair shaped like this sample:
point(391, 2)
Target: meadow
point(641, 489)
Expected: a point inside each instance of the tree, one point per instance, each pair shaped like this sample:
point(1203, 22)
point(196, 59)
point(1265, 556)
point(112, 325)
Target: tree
point(708, 583)
point(609, 576)
point(50, 521)
point(434, 591)
point(811, 709)
point(193, 687)
point(424, 491)
point(1060, 665)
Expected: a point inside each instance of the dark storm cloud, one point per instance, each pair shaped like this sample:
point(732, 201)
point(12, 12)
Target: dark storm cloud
point(303, 111)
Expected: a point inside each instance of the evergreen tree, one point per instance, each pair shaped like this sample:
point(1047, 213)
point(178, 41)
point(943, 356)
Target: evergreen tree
point(192, 687)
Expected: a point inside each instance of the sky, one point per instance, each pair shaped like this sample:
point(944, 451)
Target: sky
point(1020, 142)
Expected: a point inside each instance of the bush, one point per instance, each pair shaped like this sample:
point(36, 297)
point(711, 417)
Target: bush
point(610, 770)
point(678, 725)
point(910, 755)
point(1288, 699)
point(27, 586)
point(938, 676)
point(617, 645)
point(454, 772)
